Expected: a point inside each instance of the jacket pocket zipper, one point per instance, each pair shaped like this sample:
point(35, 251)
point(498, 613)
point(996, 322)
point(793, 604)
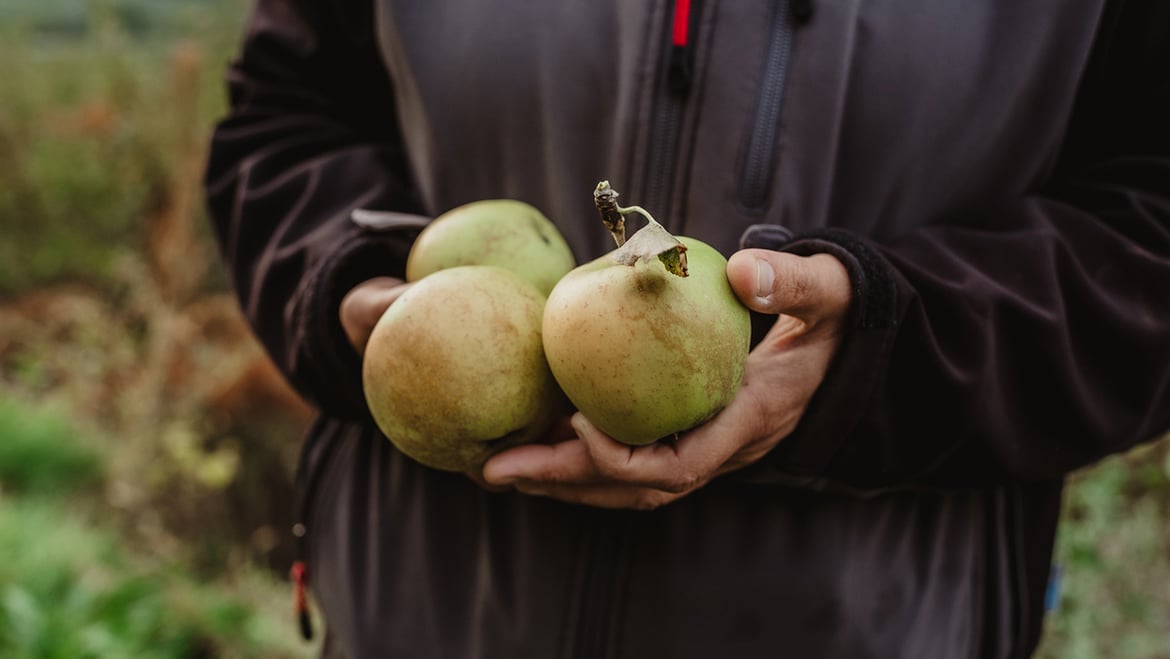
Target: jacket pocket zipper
point(760, 161)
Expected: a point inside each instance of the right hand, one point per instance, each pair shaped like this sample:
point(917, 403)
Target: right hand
point(364, 305)
point(811, 297)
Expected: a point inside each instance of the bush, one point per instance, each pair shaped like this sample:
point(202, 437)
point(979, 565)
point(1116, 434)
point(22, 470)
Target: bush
point(71, 589)
point(102, 128)
point(41, 453)
point(1111, 550)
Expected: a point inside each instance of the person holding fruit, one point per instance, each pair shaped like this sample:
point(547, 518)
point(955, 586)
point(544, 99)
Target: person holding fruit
point(951, 226)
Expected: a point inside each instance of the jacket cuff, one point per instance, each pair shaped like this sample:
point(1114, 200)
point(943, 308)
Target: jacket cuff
point(836, 409)
point(328, 358)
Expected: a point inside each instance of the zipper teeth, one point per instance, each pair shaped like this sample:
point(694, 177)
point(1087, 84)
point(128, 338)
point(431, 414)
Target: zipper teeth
point(660, 166)
point(598, 592)
point(760, 154)
point(666, 123)
point(666, 126)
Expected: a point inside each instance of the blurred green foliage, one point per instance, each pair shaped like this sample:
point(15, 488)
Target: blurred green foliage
point(69, 591)
point(71, 587)
point(145, 443)
point(41, 453)
point(102, 103)
point(1112, 552)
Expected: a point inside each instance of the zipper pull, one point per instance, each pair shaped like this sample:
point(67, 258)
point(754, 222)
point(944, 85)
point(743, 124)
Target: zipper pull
point(680, 49)
point(300, 578)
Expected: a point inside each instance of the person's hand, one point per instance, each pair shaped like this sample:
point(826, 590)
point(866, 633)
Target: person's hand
point(812, 297)
point(364, 304)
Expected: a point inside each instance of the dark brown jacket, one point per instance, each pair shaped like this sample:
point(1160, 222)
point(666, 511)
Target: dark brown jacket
point(996, 176)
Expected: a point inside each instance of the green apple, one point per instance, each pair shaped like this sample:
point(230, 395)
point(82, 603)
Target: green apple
point(455, 370)
point(642, 352)
point(507, 233)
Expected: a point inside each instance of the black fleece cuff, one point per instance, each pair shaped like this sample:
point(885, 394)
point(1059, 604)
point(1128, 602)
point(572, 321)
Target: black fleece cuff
point(835, 410)
point(331, 361)
point(874, 288)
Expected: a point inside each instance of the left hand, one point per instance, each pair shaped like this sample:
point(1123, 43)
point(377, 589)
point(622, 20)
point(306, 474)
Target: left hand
point(811, 296)
point(363, 306)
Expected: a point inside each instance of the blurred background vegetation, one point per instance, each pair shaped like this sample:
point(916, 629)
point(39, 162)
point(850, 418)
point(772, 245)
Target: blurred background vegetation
point(147, 446)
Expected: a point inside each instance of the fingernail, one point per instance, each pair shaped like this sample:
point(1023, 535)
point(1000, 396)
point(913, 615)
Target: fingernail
point(496, 472)
point(580, 424)
point(765, 278)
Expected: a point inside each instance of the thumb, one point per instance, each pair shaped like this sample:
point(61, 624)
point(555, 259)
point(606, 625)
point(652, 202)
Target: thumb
point(773, 282)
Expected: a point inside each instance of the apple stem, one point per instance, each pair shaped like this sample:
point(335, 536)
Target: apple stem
point(605, 199)
point(652, 240)
point(614, 216)
point(626, 210)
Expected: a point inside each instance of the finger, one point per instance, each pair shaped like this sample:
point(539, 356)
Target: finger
point(779, 282)
point(478, 479)
point(561, 463)
point(630, 497)
point(677, 466)
point(362, 307)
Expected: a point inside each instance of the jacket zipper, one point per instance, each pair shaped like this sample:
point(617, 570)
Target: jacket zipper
point(598, 582)
point(755, 184)
point(672, 88)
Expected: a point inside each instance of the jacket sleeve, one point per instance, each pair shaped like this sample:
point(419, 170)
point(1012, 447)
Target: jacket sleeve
point(1023, 343)
point(310, 135)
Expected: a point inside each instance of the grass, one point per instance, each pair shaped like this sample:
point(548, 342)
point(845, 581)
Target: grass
point(101, 127)
point(41, 454)
point(72, 589)
point(1112, 550)
point(74, 586)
